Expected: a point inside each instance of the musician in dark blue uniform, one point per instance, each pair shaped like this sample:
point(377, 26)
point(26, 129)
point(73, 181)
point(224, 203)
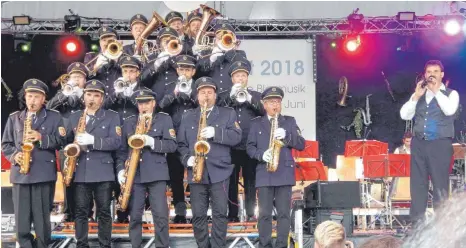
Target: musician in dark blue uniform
point(33, 192)
point(137, 23)
point(274, 185)
point(95, 166)
point(161, 69)
point(103, 68)
point(119, 97)
point(152, 169)
point(177, 100)
point(194, 24)
point(68, 102)
point(247, 105)
point(222, 133)
point(217, 64)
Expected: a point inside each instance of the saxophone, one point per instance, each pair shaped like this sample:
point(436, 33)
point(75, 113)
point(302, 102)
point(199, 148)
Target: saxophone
point(275, 145)
point(27, 147)
point(136, 142)
point(201, 147)
point(72, 152)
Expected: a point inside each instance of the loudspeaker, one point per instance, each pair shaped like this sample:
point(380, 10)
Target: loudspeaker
point(7, 200)
point(341, 216)
point(340, 194)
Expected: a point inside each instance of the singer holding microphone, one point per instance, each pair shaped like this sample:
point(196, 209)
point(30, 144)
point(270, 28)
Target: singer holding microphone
point(433, 108)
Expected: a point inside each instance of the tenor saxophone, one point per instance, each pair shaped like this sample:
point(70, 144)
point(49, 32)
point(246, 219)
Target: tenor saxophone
point(275, 145)
point(72, 151)
point(27, 147)
point(201, 147)
point(136, 142)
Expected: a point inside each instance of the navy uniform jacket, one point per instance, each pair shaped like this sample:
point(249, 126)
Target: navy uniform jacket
point(43, 166)
point(65, 105)
point(121, 104)
point(176, 106)
point(219, 70)
point(218, 165)
point(107, 74)
point(245, 112)
point(158, 80)
point(95, 162)
point(258, 143)
point(129, 49)
point(153, 163)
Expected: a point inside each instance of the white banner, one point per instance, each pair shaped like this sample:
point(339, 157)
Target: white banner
point(286, 64)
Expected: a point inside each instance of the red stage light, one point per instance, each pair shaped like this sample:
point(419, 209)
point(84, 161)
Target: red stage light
point(71, 46)
point(352, 44)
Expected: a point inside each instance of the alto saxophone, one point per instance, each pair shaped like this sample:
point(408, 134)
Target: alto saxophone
point(201, 147)
point(275, 145)
point(136, 142)
point(72, 152)
point(27, 147)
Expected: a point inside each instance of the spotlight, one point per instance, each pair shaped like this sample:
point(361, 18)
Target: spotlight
point(406, 16)
point(21, 20)
point(72, 23)
point(352, 44)
point(452, 27)
point(333, 44)
point(71, 46)
point(94, 47)
point(22, 43)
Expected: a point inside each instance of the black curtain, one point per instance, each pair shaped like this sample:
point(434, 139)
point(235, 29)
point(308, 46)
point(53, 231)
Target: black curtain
point(401, 58)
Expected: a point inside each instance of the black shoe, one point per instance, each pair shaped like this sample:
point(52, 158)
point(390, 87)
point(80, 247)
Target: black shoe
point(179, 219)
point(233, 219)
point(252, 219)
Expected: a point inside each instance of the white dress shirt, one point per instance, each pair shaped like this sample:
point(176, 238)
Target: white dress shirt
point(448, 104)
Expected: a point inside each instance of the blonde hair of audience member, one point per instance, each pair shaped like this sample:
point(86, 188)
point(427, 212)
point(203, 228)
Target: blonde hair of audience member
point(330, 234)
point(384, 241)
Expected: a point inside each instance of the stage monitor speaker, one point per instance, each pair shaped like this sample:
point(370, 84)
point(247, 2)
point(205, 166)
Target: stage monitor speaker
point(339, 194)
point(341, 216)
point(7, 200)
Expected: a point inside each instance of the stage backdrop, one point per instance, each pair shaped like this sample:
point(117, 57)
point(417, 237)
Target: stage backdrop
point(286, 64)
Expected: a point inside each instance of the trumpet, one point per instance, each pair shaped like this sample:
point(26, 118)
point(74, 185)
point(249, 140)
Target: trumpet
point(174, 47)
point(68, 89)
point(241, 95)
point(120, 85)
point(183, 85)
point(62, 80)
point(114, 50)
point(228, 42)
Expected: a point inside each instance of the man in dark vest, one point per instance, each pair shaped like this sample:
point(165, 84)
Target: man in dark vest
point(433, 107)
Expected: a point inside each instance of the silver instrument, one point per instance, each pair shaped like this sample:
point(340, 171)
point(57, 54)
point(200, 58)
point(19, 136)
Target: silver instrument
point(366, 115)
point(120, 85)
point(241, 95)
point(183, 85)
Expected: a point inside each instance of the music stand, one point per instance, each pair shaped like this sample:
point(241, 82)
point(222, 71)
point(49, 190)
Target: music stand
point(310, 171)
point(359, 148)
point(384, 166)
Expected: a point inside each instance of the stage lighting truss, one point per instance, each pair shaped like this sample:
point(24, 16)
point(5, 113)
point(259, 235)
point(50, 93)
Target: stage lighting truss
point(303, 27)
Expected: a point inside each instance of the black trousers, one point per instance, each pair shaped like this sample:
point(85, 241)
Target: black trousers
point(218, 194)
point(33, 204)
point(159, 209)
point(282, 197)
point(102, 192)
point(176, 171)
point(429, 158)
point(241, 159)
point(69, 207)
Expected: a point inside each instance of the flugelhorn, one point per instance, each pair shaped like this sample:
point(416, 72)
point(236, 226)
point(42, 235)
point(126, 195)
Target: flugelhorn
point(67, 89)
point(183, 85)
point(120, 84)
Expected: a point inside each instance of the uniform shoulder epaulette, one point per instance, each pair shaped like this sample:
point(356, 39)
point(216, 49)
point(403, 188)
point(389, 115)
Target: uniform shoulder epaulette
point(90, 52)
point(229, 107)
point(257, 117)
point(14, 112)
point(163, 113)
point(130, 117)
point(112, 111)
